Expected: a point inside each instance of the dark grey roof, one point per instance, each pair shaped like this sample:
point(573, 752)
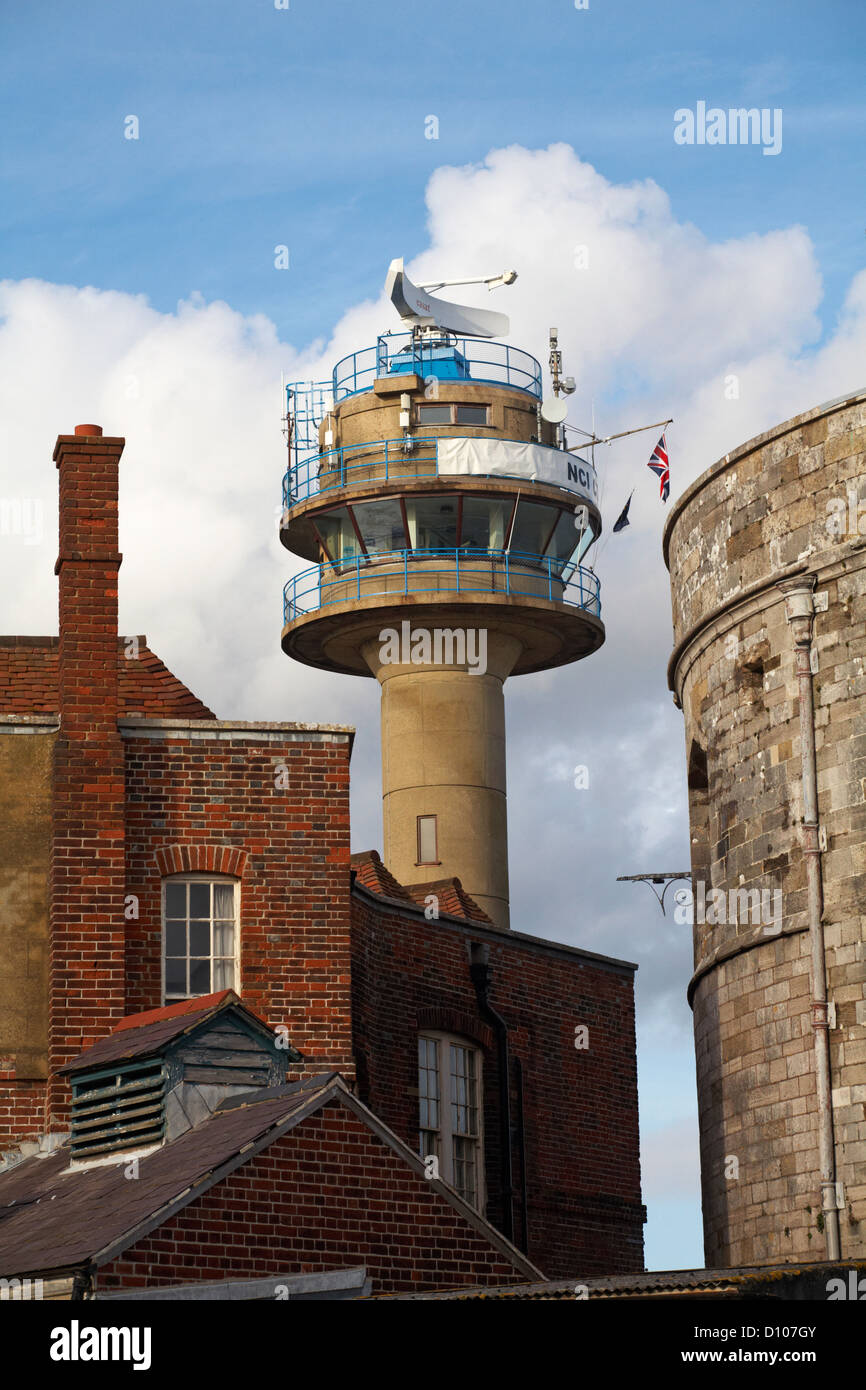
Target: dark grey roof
point(53, 1217)
point(159, 1027)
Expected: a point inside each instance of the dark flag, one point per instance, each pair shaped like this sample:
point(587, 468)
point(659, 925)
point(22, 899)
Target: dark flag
point(659, 464)
point(622, 520)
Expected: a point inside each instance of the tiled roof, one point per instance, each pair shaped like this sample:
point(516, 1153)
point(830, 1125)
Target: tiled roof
point(371, 872)
point(202, 1003)
point(139, 1035)
point(453, 898)
point(29, 681)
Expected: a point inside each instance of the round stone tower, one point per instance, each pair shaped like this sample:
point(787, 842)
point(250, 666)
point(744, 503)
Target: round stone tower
point(767, 557)
point(446, 522)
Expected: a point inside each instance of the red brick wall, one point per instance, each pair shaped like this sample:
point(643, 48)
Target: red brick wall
point(22, 1106)
point(581, 1116)
point(328, 1195)
point(295, 967)
point(86, 958)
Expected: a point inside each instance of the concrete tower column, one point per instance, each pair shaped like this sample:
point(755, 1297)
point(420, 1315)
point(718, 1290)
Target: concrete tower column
point(443, 755)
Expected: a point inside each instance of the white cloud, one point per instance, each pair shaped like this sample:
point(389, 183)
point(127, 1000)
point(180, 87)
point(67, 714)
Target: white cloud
point(652, 327)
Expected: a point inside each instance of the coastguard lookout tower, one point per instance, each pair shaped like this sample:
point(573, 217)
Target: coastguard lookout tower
point(445, 519)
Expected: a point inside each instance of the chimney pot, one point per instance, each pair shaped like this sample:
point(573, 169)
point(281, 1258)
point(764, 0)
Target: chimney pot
point(88, 429)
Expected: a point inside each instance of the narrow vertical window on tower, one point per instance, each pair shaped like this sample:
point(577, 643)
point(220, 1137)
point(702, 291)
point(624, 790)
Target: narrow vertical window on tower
point(200, 936)
point(449, 1086)
point(427, 840)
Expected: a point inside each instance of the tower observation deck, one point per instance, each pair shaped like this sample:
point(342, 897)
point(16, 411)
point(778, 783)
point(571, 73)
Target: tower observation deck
point(445, 523)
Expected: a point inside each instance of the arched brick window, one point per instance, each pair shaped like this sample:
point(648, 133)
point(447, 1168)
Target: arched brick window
point(201, 859)
point(200, 919)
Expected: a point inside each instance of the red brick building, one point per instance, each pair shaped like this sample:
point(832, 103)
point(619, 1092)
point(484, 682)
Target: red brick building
point(151, 853)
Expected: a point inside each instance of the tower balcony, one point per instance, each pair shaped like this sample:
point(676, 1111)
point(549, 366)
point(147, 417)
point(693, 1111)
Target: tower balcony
point(396, 461)
point(446, 357)
point(550, 607)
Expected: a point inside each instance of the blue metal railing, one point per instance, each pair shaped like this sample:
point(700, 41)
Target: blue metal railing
point(398, 573)
point(383, 460)
point(377, 461)
point(454, 359)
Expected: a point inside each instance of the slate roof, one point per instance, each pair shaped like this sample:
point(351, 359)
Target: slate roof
point(29, 682)
point(140, 1035)
point(54, 1218)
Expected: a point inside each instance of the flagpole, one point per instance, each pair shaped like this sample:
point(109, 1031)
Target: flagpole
point(591, 438)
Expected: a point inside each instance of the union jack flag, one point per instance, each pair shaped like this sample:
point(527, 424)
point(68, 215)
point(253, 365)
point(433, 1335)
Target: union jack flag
point(659, 464)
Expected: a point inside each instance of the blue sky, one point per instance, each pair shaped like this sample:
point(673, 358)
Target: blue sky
point(306, 127)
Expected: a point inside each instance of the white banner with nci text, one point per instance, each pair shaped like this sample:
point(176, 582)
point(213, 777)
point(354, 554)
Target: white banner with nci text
point(510, 458)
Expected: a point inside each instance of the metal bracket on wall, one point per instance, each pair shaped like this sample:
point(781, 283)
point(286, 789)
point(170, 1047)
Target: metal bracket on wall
point(666, 878)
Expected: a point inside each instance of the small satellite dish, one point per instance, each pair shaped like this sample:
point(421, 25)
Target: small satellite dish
point(420, 309)
point(554, 410)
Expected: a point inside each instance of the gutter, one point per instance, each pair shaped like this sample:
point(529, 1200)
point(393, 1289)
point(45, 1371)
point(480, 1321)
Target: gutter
point(479, 971)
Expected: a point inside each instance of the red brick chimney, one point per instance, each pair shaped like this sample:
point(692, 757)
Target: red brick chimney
point(87, 862)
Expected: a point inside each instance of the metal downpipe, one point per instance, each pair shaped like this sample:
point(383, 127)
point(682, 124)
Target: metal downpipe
point(800, 611)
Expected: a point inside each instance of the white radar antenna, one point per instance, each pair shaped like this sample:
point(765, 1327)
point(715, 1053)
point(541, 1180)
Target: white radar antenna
point(420, 309)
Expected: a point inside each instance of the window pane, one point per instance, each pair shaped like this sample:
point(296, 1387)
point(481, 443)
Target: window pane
point(432, 522)
point(434, 415)
point(175, 938)
point(338, 533)
point(464, 1115)
point(472, 414)
point(464, 1169)
point(428, 1083)
point(175, 977)
point(381, 525)
point(485, 523)
point(175, 900)
point(199, 900)
point(223, 974)
point(223, 900)
point(533, 524)
point(199, 977)
point(427, 840)
point(428, 1143)
point(199, 938)
point(565, 538)
point(223, 938)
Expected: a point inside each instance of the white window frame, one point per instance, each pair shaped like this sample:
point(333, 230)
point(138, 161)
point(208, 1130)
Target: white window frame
point(209, 878)
point(445, 1135)
point(419, 836)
